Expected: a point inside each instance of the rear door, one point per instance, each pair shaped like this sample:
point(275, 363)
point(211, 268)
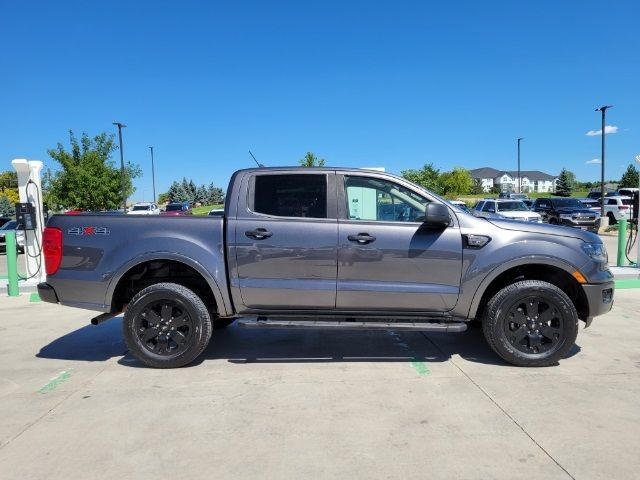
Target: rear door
point(285, 241)
point(387, 258)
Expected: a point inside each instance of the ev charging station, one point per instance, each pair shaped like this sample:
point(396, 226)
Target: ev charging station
point(30, 218)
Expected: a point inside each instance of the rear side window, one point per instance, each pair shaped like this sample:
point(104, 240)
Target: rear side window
point(612, 201)
point(301, 196)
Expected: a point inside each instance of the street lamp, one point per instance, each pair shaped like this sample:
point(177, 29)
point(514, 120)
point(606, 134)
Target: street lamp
point(519, 180)
point(602, 109)
point(153, 176)
point(124, 187)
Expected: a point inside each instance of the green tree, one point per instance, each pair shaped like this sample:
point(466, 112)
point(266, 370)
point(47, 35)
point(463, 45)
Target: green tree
point(163, 197)
point(564, 187)
point(216, 195)
point(427, 177)
point(630, 177)
point(477, 188)
point(177, 193)
point(495, 190)
point(202, 195)
point(573, 181)
point(311, 160)
point(88, 178)
point(7, 208)
point(456, 182)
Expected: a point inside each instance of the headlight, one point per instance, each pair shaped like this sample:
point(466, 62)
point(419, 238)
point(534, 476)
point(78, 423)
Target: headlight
point(566, 216)
point(597, 251)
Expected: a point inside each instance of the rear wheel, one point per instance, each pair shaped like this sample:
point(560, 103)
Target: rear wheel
point(167, 326)
point(531, 323)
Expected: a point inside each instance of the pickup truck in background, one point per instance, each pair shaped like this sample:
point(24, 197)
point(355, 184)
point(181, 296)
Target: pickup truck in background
point(329, 248)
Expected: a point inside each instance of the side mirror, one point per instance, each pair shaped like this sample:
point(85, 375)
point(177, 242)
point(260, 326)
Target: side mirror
point(437, 214)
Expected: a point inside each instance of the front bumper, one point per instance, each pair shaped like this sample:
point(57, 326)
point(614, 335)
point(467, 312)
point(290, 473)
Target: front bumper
point(47, 293)
point(599, 299)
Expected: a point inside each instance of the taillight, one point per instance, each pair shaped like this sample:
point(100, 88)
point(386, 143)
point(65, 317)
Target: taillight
point(623, 207)
point(52, 248)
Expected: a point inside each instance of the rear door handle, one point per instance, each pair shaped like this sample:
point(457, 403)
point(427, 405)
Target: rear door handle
point(258, 233)
point(362, 238)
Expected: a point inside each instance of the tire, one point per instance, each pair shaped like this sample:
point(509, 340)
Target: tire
point(612, 218)
point(553, 221)
point(219, 323)
point(511, 329)
point(166, 326)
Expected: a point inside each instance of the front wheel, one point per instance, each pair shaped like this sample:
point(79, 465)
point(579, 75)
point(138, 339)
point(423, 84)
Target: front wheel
point(531, 323)
point(167, 326)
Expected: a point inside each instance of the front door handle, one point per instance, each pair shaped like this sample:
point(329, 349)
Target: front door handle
point(362, 238)
point(258, 233)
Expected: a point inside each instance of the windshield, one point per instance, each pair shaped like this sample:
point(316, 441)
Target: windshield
point(173, 208)
point(567, 202)
point(11, 225)
point(512, 207)
point(141, 207)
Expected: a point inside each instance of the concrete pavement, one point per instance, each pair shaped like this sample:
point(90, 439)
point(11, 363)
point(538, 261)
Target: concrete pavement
point(301, 404)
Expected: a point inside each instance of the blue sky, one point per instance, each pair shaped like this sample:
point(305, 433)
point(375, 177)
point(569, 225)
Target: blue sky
point(394, 84)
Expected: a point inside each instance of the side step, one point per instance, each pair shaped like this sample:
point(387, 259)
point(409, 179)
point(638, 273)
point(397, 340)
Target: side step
point(449, 327)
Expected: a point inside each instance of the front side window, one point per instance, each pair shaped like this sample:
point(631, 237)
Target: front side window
point(301, 196)
point(381, 200)
point(488, 206)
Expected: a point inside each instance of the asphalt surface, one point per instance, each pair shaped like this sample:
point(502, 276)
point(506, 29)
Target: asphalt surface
point(304, 404)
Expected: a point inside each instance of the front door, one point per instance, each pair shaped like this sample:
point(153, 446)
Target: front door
point(286, 242)
point(387, 258)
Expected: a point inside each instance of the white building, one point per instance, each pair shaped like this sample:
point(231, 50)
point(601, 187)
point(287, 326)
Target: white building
point(507, 180)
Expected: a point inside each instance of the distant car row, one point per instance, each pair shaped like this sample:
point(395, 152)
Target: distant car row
point(572, 212)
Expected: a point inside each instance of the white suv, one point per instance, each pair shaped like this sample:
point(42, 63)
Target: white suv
point(144, 209)
point(511, 209)
point(617, 208)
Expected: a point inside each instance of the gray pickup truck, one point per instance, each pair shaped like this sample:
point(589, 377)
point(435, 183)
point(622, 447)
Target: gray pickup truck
point(328, 248)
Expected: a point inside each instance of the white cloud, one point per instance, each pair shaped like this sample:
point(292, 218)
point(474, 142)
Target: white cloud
point(593, 162)
point(607, 130)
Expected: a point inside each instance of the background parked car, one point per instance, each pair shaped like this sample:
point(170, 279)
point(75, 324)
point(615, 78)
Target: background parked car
point(567, 211)
point(512, 209)
point(617, 208)
point(528, 202)
point(4, 220)
point(144, 208)
point(627, 192)
point(177, 209)
point(11, 225)
point(591, 204)
point(513, 196)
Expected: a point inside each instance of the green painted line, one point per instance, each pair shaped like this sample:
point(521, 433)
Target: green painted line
point(34, 297)
point(628, 283)
point(56, 381)
point(420, 367)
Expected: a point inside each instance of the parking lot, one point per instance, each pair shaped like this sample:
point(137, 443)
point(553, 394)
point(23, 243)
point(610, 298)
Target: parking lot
point(301, 404)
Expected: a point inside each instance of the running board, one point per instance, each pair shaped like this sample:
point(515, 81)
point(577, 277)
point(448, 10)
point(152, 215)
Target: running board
point(450, 327)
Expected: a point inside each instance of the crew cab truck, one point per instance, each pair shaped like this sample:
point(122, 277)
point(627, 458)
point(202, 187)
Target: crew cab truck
point(328, 248)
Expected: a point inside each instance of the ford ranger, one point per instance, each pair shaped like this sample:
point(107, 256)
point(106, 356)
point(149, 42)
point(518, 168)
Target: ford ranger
point(328, 248)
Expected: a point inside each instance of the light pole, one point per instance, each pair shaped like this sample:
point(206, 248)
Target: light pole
point(124, 187)
point(602, 109)
point(519, 181)
point(153, 176)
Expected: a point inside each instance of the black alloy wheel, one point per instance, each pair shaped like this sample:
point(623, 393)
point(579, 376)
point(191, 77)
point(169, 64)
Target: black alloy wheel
point(164, 327)
point(534, 325)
